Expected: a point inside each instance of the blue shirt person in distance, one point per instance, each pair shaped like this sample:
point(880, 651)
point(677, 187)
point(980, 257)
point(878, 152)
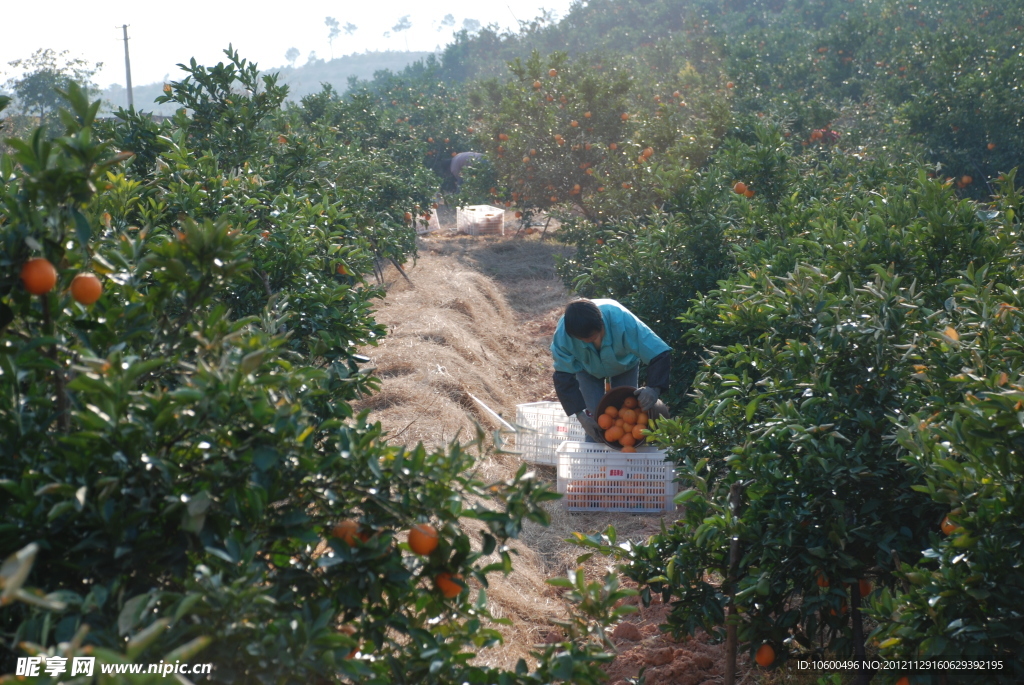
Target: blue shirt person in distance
point(599, 339)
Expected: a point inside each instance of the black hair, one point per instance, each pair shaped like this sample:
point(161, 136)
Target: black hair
point(583, 319)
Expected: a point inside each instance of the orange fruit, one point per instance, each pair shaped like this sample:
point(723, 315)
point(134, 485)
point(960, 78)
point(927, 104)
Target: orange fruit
point(605, 421)
point(526, 160)
point(502, 136)
point(739, 187)
point(627, 440)
point(947, 526)
point(613, 434)
point(430, 140)
point(347, 531)
point(627, 186)
point(966, 180)
point(445, 582)
point(903, 681)
point(730, 84)
point(638, 433)
point(554, 198)
point(865, 587)
point(648, 151)
point(991, 146)
point(822, 580)
point(586, 115)
point(749, 193)
point(624, 117)
point(519, 215)
point(613, 146)
point(641, 418)
point(628, 415)
point(627, 428)
point(574, 123)
point(39, 276)
point(552, 73)
point(765, 656)
point(408, 217)
point(423, 539)
point(536, 85)
point(86, 288)
point(628, 449)
point(611, 411)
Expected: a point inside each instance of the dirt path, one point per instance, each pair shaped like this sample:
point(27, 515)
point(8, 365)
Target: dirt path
point(476, 321)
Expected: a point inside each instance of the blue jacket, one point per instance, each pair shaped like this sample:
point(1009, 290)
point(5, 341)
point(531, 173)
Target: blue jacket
point(627, 341)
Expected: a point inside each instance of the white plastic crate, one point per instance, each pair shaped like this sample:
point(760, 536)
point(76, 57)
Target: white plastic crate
point(432, 225)
point(551, 427)
point(595, 477)
point(480, 220)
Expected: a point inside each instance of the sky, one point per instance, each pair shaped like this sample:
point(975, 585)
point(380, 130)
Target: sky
point(163, 34)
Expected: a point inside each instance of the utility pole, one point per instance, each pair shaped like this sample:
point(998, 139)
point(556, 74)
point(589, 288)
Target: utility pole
point(127, 66)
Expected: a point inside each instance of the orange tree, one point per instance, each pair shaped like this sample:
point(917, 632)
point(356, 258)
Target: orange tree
point(585, 135)
point(962, 597)
point(180, 466)
point(809, 351)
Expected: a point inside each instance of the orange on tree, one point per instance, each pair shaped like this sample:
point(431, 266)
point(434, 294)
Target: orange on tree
point(765, 656)
point(730, 84)
point(552, 73)
point(739, 187)
point(347, 531)
point(991, 146)
point(39, 276)
point(536, 85)
point(423, 539)
point(625, 116)
point(864, 586)
point(86, 288)
point(966, 180)
point(903, 681)
point(749, 193)
point(446, 583)
point(586, 115)
point(822, 580)
point(613, 146)
point(947, 526)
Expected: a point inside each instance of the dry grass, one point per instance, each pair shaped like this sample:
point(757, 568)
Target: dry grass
point(477, 320)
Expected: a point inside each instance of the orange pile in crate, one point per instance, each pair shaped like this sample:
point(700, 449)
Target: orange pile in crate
point(623, 426)
point(594, 491)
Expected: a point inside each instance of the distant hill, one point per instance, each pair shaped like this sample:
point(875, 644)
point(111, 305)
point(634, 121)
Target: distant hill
point(301, 80)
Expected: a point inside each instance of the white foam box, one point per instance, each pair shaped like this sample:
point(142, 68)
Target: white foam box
point(548, 428)
point(480, 220)
point(595, 477)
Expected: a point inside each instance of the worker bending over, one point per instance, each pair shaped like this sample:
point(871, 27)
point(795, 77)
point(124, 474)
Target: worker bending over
point(599, 339)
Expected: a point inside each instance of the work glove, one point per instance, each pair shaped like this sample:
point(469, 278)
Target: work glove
point(647, 397)
point(590, 426)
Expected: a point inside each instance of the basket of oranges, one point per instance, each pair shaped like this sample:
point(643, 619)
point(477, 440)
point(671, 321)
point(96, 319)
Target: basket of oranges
point(622, 420)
